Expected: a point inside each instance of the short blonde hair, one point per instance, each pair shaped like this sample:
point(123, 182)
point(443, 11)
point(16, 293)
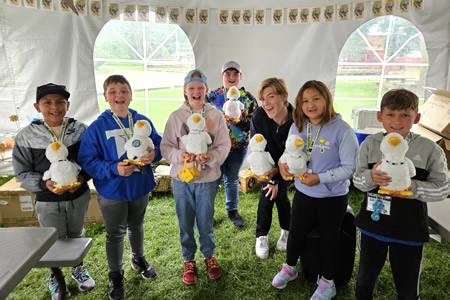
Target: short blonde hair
point(278, 85)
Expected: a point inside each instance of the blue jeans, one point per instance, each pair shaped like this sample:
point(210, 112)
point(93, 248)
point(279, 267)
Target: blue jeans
point(230, 173)
point(195, 202)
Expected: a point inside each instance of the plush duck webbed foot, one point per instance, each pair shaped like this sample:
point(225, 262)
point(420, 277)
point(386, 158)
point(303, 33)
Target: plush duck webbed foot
point(388, 192)
point(134, 162)
point(292, 177)
point(66, 187)
point(262, 176)
point(232, 119)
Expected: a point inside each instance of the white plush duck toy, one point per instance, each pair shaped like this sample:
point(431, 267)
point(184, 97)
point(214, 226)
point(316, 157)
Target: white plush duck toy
point(197, 140)
point(137, 145)
point(260, 161)
point(62, 171)
point(396, 165)
point(232, 107)
point(294, 156)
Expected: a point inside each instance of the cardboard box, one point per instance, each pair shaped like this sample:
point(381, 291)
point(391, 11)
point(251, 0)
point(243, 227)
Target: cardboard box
point(17, 206)
point(441, 141)
point(435, 112)
point(247, 182)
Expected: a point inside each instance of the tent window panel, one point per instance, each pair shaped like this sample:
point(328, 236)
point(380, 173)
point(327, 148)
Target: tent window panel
point(153, 57)
point(384, 53)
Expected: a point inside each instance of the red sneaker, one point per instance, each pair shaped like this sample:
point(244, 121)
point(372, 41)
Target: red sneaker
point(214, 270)
point(189, 275)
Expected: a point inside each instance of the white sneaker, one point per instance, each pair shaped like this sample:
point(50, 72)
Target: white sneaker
point(54, 288)
point(282, 241)
point(83, 279)
point(262, 246)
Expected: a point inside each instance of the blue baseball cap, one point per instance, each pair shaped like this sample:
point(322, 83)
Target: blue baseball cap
point(189, 77)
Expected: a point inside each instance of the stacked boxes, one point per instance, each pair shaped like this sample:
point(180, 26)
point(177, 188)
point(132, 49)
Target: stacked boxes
point(435, 120)
point(435, 124)
point(17, 206)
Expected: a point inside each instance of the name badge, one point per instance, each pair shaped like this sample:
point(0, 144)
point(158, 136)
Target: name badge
point(378, 204)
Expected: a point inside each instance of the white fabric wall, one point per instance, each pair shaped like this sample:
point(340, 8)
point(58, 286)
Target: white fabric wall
point(37, 47)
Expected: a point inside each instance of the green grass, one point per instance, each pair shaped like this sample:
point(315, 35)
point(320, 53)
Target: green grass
point(107, 66)
point(161, 93)
point(4, 179)
point(357, 89)
point(244, 275)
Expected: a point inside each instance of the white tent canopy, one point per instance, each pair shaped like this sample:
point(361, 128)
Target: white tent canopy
point(39, 46)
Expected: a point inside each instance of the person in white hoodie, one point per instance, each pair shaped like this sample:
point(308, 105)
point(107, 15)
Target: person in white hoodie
point(194, 202)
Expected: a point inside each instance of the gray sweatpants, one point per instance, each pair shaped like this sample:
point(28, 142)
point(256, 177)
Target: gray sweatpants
point(66, 216)
point(120, 215)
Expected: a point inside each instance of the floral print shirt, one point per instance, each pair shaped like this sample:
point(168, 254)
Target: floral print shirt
point(239, 132)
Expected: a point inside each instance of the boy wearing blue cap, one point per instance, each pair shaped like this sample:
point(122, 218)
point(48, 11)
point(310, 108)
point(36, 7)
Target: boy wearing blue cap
point(194, 202)
point(63, 209)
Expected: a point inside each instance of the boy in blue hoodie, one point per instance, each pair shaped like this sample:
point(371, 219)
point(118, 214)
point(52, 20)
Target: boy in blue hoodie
point(123, 190)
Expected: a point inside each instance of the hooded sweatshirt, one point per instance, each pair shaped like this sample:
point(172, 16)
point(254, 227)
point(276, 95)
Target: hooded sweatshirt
point(172, 146)
point(102, 147)
point(332, 158)
point(408, 218)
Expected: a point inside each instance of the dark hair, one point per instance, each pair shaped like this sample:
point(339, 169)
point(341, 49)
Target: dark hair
point(400, 99)
point(329, 113)
point(114, 79)
point(278, 85)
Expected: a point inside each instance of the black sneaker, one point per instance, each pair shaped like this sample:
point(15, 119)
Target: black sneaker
point(234, 216)
point(142, 266)
point(116, 290)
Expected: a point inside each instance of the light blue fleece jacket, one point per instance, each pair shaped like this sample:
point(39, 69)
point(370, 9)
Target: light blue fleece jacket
point(333, 158)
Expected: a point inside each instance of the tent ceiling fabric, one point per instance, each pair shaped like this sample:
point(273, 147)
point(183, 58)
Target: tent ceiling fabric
point(37, 47)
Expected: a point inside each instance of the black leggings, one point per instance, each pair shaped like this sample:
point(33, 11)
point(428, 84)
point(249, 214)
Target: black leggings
point(405, 261)
point(326, 214)
point(265, 207)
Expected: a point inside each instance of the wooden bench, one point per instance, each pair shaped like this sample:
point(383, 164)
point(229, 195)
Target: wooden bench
point(64, 253)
